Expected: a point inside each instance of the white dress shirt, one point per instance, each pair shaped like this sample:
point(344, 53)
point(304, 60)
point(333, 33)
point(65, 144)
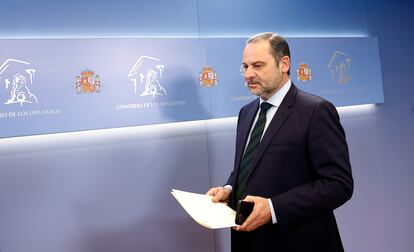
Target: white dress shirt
point(276, 99)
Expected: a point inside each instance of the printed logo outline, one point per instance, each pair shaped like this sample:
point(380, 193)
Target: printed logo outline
point(148, 71)
point(18, 82)
point(339, 66)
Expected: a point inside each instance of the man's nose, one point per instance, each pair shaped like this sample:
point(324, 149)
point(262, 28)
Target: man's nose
point(249, 73)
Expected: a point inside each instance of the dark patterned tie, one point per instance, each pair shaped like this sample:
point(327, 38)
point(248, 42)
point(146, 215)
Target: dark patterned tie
point(250, 151)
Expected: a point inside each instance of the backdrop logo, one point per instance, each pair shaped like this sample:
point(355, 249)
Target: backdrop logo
point(340, 66)
point(18, 76)
point(208, 77)
point(88, 83)
point(303, 72)
point(149, 72)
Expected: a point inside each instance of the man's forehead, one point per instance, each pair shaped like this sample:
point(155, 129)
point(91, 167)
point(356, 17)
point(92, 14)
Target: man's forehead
point(257, 52)
point(258, 45)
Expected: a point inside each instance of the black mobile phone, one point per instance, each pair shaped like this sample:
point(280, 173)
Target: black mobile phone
point(244, 209)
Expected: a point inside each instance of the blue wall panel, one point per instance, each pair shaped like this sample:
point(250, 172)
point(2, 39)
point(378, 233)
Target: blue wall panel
point(94, 18)
point(289, 18)
point(60, 85)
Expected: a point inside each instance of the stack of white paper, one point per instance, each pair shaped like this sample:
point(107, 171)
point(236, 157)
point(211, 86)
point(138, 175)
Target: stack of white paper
point(204, 211)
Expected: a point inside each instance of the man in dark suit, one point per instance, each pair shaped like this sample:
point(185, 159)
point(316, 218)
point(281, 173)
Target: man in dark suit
point(291, 159)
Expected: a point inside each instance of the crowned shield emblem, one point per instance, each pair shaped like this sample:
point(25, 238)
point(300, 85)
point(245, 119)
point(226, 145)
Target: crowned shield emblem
point(88, 83)
point(208, 77)
point(303, 72)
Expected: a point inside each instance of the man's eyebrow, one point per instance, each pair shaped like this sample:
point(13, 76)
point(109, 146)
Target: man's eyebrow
point(255, 63)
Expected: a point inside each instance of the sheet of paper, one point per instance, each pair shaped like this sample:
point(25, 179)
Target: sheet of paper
point(204, 211)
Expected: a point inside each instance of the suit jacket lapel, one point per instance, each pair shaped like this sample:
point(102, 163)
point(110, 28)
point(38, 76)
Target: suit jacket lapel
point(245, 126)
point(279, 118)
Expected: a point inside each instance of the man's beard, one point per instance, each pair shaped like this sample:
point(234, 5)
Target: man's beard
point(261, 90)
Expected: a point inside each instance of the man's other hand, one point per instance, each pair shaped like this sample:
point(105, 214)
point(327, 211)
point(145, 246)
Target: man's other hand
point(220, 194)
point(260, 215)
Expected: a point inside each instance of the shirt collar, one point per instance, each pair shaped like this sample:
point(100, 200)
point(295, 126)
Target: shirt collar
point(277, 98)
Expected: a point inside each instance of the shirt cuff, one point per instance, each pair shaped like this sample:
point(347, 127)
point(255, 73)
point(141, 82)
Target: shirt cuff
point(272, 211)
point(229, 187)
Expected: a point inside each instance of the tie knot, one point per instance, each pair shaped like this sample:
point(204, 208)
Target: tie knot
point(264, 107)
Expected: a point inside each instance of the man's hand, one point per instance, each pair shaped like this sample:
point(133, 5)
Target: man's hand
point(260, 215)
point(220, 194)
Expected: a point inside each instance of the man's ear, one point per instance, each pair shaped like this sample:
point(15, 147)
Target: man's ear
point(284, 64)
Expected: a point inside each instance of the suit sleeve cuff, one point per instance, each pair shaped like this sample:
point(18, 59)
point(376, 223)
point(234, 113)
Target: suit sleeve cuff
point(272, 211)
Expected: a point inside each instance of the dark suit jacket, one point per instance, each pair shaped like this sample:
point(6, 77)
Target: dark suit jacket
point(302, 165)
